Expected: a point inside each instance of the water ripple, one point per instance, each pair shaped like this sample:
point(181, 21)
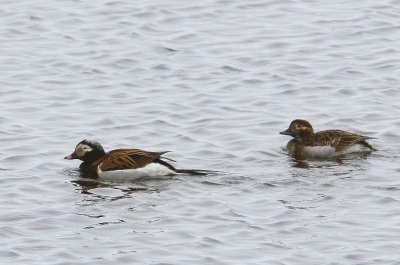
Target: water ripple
point(214, 82)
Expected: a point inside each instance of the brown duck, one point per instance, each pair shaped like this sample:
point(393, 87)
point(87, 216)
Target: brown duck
point(323, 144)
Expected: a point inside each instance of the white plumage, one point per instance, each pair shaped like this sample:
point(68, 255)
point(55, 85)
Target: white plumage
point(127, 175)
point(329, 151)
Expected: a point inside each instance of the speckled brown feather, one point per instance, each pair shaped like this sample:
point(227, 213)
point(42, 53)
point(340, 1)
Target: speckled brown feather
point(335, 138)
point(128, 159)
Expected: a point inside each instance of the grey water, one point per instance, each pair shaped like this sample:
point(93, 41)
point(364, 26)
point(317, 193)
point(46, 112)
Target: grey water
point(214, 82)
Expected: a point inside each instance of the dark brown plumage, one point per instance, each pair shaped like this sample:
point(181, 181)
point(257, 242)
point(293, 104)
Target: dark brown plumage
point(128, 159)
point(96, 160)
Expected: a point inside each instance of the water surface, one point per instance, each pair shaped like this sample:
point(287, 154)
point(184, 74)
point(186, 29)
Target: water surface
point(214, 82)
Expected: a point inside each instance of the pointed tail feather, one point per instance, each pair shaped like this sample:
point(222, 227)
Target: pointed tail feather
point(197, 172)
point(366, 144)
point(166, 158)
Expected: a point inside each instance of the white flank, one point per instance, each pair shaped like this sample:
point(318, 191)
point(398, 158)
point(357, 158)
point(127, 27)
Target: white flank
point(127, 175)
point(320, 151)
point(328, 151)
point(355, 148)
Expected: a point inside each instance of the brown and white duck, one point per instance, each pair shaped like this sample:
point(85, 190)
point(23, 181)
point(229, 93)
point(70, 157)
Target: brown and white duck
point(120, 164)
point(323, 144)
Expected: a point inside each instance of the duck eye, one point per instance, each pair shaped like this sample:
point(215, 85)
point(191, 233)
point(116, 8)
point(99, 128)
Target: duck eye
point(86, 148)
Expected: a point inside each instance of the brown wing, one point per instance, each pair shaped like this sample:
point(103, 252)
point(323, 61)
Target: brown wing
point(340, 139)
point(128, 159)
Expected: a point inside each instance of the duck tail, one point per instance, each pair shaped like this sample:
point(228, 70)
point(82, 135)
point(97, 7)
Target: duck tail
point(366, 144)
point(197, 172)
point(166, 158)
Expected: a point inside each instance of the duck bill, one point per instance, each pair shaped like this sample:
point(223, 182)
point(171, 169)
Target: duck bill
point(71, 156)
point(287, 132)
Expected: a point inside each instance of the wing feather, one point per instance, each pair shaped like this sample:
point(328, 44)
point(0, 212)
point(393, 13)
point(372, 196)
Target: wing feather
point(128, 159)
point(341, 140)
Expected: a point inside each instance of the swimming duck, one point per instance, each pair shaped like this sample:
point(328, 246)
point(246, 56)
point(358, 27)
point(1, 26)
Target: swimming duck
point(123, 163)
point(323, 144)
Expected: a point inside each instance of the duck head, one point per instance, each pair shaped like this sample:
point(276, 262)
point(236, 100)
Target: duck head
point(87, 151)
point(299, 129)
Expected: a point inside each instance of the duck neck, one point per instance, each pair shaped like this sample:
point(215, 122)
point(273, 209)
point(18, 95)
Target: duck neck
point(94, 156)
point(305, 138)
point(98, 161)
